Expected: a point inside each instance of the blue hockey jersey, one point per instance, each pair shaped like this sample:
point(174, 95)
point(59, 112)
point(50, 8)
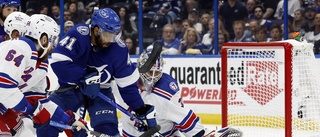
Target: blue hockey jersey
point(72, 53)
point(114, 64)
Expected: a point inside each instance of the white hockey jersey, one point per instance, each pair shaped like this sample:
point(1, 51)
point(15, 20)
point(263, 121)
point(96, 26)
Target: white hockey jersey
point(173, 118)
point(18, 60)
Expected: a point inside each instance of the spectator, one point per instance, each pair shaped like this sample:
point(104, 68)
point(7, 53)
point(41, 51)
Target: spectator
point(207, 38)
point(229, 12)
point(170, 42)
point(290, 30)
point(238, 28)
point(188, 5)
point(191, 43)
point(316, 48)
point(275, 33)
point(193, 16)
point(309, 15)
point(250, 5)
point(76, 15)
point(146, 6)
point(205, 18)
point(308, 3)
point(79, 4)
point(5, 10)
point(68, 25)
point(67, 16)
point(258, 15)
point(293, 5)
point(177, 25)
point(261, 34)
point(222, 38)
point(270, 7)
point(185, 25)
point(253, 25)
point(44, 10)
point(298, 20)
point(132, 45)
point(166, 7)
point(89, 10)
point(128, 26)
point(313, 36)
point(56, 13)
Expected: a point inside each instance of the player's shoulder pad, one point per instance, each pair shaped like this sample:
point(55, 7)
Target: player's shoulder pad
point(169, 83)
point(82, 29)
point(120, 42)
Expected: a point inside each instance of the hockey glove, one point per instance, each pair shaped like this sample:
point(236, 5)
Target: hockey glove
point(147, 114)
point(40, 116)
point(90, 84)
point(13, 120)
point(4, 130)
point(79, 123)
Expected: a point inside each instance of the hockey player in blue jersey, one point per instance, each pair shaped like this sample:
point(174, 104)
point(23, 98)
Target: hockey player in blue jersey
point(88, 58)
point(162, 90)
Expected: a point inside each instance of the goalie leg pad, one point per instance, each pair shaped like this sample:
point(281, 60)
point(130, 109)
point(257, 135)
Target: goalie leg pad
point(228, 132)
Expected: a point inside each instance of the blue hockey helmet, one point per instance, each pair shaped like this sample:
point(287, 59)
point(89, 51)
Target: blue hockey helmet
point(107, 20)
point(14, 3)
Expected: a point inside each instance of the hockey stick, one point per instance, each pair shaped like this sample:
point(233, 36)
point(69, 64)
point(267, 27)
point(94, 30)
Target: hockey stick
point(95, 133)
point(155, 53)
point(147, 133)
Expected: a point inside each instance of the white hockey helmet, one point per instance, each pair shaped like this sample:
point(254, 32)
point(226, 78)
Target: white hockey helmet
point(155, 72)
point(39, 24)
point(16, 21)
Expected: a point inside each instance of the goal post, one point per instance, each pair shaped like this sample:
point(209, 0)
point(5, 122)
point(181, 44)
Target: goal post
point(270, 86)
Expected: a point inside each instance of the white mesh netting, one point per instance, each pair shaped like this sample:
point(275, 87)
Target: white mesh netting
point(256, 89)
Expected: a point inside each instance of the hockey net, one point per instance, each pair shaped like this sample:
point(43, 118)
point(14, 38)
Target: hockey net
point(271, 89)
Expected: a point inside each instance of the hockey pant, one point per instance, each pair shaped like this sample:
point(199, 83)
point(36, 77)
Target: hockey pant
point(103, 116)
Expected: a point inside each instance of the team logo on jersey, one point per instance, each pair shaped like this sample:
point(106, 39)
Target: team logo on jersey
point(83, 30)
point(173, 86)
point(105, 74)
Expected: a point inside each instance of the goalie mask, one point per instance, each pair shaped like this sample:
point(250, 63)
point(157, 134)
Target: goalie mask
point(155, 73)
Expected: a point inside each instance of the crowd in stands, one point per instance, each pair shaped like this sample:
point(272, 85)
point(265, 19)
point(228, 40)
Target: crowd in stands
point(187, 26)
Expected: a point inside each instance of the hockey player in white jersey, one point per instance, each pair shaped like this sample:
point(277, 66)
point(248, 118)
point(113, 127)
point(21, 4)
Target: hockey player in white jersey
point(15, 26)
point(22, 62)
point(162, 91)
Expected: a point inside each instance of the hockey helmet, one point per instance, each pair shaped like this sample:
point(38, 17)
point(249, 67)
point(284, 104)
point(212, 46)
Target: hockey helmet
point(155, 72)
point(16, 21)
point(107, 20)
point(39, 24)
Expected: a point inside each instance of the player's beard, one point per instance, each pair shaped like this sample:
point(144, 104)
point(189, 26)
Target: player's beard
point(45, 57)
point(100, 43)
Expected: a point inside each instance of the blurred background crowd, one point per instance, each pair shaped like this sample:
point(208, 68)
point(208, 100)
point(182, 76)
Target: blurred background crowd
point(188, 25)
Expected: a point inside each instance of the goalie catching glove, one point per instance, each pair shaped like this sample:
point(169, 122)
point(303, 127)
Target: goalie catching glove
point(146, 114)
point(90, 83)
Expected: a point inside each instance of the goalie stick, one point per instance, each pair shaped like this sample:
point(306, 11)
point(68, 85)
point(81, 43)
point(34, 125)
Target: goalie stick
point(155, 53)
point(59, 125)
